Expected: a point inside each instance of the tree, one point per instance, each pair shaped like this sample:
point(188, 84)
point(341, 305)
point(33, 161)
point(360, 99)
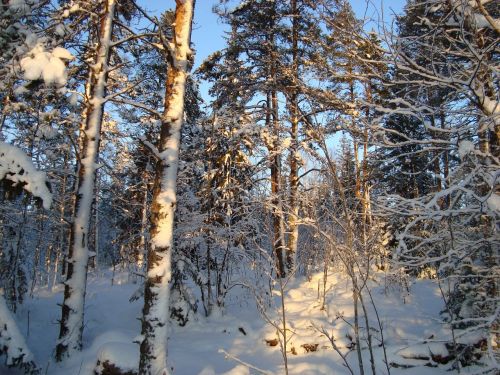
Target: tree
point(153, 358)
point(16, 168)
point(449, 226)
point(71, 325)
point(33, 66)
point(104, 83)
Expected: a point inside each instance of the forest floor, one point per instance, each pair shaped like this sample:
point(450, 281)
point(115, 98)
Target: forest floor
point(411, 324)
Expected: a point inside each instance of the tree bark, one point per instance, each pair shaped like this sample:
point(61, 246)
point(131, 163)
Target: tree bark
point(71, 324)
point(153, 356)
point(277, 211)
point(293, 227)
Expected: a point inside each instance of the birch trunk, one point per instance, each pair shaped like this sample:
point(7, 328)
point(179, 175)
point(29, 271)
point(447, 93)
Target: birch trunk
point(71, 324)
point(153, 357)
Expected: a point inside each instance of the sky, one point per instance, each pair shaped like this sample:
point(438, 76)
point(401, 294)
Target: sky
point(208, 30)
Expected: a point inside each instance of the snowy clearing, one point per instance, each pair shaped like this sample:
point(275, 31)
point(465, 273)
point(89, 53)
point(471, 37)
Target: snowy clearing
point(412, 329)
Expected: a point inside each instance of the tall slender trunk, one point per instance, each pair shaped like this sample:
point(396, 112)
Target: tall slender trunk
point(293, 227)
point(37, 260)
point(357, 167)
point(94, 232)
point(153, 358)
point(71, 324)
point(355, 298)
point(143, 243)
point(367, 211)
point(209, 279)
point(277, 212)
point(367, 214)
point(272, 123)
point(62, 222)
point(436, 163)
point(446, 164)
point(3, 116)
point(96, 227)
point(357, 163)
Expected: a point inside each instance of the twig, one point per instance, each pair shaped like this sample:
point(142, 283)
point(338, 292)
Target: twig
point(230, 356)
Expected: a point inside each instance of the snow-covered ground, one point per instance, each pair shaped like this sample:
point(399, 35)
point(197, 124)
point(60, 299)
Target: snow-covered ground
point(411, 327)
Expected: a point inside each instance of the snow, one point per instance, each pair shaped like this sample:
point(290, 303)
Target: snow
point(62, 53)
point(19, 6)
point(124, 354)
point(20, 90)
point(49, 66)
point(60, 30)
point(76, 285)
point(162, 233)
point(424, 351)
point(493, 202)
point(73, 99)
point(238, 370)
point(112, 326)
point(17, 167)
point(465, 148)
point(11, 339)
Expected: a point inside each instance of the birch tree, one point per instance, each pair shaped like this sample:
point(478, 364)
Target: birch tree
point(71, 324)
point(153, 358)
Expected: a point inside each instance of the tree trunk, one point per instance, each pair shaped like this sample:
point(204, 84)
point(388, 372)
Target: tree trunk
point(277, 211)
point(143, 242)
point(71, 324)
point(293, 227)
point(366, 200)
point(153, 358)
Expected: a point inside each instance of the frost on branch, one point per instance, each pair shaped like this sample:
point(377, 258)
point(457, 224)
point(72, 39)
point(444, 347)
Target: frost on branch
point(17, 167)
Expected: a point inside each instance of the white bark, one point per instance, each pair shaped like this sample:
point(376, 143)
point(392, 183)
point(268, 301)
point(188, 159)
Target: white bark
point(70, 336)
point(156, 297)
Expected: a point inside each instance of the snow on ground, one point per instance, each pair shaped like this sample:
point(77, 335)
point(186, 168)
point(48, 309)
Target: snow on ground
point(411, 328)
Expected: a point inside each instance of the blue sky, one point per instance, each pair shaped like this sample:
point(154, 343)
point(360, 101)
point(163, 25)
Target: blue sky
point(208, 31)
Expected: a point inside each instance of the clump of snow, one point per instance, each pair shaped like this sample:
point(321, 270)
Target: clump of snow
point(60, 30)
point(465, 148)
point(62, 53)
point(47, 132)
point(285, 143)
point(12, 343)
point(424, 351)
point(49, 66)
point(19, 6)
point(20, 90)
point(125, 356)
point(494, 202)
point(17, 167)
point(73, 99)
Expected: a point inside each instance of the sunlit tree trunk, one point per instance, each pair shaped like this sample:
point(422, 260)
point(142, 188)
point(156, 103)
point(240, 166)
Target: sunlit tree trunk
point(272, 121)
point(277, 210)
point(153, 358)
